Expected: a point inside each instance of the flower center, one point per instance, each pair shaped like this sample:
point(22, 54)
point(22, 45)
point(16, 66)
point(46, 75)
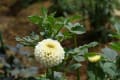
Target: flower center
point(50, 46)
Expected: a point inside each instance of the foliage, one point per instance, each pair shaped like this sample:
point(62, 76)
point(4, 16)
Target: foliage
point(29, 40)
point(51, 27)
point(97, 13)
point(100, 68)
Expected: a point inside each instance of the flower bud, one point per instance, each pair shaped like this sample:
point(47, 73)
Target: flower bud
point(94, 58)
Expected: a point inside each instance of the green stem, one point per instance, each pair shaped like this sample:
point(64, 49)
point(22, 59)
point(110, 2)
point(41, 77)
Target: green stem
point(75, 40)
point(50, 73)
point(95, 73)
point(78, 74)
point(47, 73)
point(95, 76)
point(2, 44)
point(78, 70)
point(57, 32)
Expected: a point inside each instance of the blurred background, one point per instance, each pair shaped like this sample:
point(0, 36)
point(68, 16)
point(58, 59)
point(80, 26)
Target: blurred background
point(16, 61)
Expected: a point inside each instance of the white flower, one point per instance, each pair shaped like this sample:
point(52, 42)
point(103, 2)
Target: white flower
point(49, 52)
point(94, 58)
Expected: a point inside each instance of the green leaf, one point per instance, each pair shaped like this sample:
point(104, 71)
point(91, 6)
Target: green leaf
point(118, 62)
point(75, 28)
point(75, 17)
point(75, 66)
point(30, 40)
point(79, 58)
point(83, 51)
point(60, 36)
point(67, 35)
point(92, 44)
point(41, 77)
point(115, 46)
point(91, 75)
point(51, 19)
point(109, 53)
point(35, 19)
point(117, 27)
point(59, 76)
point(44, 11)
point(78, 51)
point(115, 35)
point(91, 54)
point(109, 68)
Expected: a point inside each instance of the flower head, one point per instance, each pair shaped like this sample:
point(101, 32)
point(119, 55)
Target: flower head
point(49, 52)
point(94, 58)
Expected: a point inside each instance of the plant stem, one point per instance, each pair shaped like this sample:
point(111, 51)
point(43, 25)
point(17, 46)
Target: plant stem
point(78, 74)
point(78, 70)
point(50, 73)
point(57, 32)
point(96, 72)
point(2, 44)
point(75, 40)
point(47, 73)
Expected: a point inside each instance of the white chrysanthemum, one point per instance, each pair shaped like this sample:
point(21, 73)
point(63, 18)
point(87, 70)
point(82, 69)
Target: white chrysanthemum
point(49, 52)
point(94, 58)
